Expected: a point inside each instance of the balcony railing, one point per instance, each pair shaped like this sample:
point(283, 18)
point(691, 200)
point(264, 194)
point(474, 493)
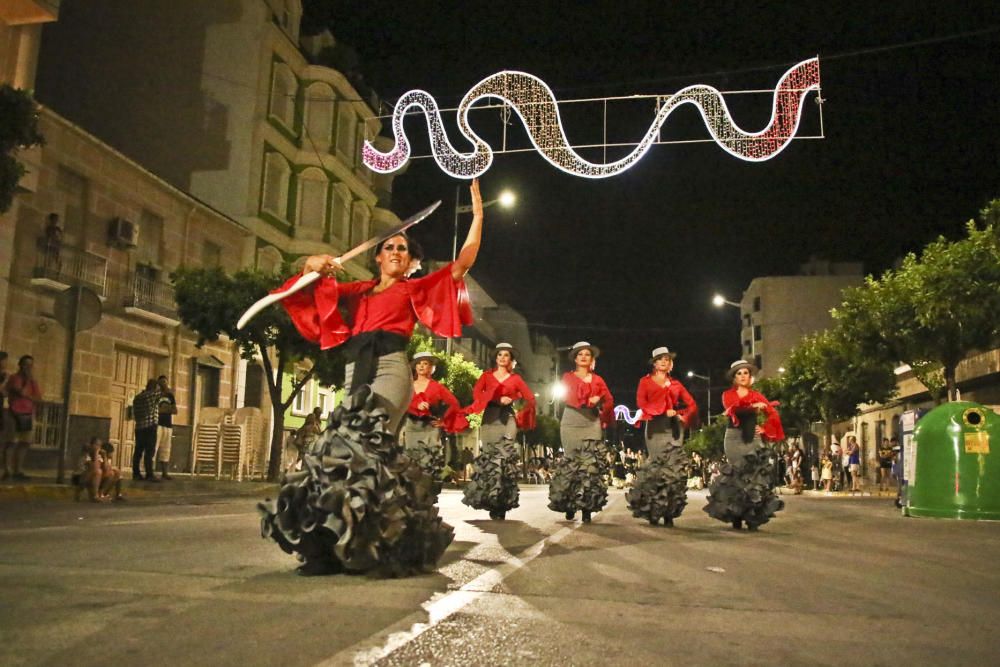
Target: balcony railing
point(148, 296)
point(60, 266)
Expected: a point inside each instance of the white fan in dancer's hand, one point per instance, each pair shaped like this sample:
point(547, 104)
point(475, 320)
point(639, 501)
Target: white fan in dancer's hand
point(307, 279)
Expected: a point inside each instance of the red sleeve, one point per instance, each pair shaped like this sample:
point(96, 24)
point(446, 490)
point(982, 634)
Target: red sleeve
point(414, 402)
point(773, 430)
point(526, 419)
point(454, 420)
point(314, 310)
point(689, 415)
point(482, 393)
point(441, 302)
point(607, 403)
point(577, 391)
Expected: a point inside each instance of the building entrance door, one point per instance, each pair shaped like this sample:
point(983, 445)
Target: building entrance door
point(132, 370)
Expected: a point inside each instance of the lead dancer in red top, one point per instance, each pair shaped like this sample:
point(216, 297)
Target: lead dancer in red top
point(660, 489)
point(578, 480)
point(744, 491)
point(391, 525)
point(494, 472)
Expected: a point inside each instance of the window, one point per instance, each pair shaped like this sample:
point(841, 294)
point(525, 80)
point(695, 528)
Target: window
point(150, 238)
point(312, 198)
point(300, 406)
point(208, 386)
point(747, 322)
point(211, 254)
point(319, 116)
point(758, 361)
point(283, 88)
point(359, 222)
point(756, 304)
point(340, 213)
point(747, 347)
point(276, 176)
point(758, 334)
point(345, 131)
point(358, 146)
point(253, 386)
point(269, 259)
point(74, 188)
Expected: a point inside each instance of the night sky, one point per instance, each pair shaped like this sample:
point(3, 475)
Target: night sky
point(630, 262)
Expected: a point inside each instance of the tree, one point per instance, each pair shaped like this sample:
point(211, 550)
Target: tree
point(210, 302)
point(709, 440)
point(936, 309)
point(546, 433)
point(827, 376)
point(18, 130)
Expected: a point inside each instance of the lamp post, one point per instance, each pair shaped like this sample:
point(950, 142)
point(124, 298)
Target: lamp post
point(708, 393)
point(719, 301)
point(506, 200)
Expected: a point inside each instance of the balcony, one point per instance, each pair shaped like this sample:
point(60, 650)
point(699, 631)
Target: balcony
point(151, 299)
point(58, 267)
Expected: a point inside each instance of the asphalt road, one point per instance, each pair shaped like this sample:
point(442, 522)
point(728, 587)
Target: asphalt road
point(832, 581)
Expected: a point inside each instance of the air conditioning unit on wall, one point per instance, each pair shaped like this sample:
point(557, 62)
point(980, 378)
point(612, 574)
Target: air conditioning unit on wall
point(123, 233)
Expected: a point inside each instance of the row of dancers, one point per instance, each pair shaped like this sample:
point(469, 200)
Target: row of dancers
point(363, 503)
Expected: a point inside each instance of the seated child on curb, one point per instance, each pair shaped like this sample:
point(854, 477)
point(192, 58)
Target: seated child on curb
point(96, 475)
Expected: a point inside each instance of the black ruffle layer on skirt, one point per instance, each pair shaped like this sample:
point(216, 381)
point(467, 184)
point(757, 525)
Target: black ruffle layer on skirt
point(430, 458)
point(359, 504)
point(660, 487)
point(746, 493)
point(579, 482)
point(493, 485)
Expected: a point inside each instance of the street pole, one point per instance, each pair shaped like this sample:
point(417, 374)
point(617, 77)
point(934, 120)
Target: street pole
point(74, 321)
point(454, 252)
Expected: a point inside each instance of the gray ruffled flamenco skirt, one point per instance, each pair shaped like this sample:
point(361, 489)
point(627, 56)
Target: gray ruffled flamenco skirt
point(743, 493)
point(423, 447)
point(493, 485)
point(359, 504)
point(660, 487)
point(578, 481)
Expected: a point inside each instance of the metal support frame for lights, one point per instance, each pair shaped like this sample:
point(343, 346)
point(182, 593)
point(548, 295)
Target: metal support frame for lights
point(708, 394)
point(506, 200)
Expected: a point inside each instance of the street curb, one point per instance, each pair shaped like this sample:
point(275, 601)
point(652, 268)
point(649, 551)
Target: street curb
point(173, 489)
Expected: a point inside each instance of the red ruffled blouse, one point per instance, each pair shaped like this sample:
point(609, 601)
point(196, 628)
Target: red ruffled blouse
point(732, 401)
point(655, 400)
point(579, 393)
point(436, 300)
point(490, 390)
point(435, 393)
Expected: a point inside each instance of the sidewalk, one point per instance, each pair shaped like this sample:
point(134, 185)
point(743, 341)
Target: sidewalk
point(42, 486)
point(819, 493)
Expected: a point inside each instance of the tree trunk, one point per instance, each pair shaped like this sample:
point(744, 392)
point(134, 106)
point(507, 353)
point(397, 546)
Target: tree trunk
point(277, 414)
point(949, 380)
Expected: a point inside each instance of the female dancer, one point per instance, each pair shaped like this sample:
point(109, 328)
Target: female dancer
point(578, 481)
point(432, 409)
point(744, 491)
point(660, 490)
point(351, 507)
point(494, 472)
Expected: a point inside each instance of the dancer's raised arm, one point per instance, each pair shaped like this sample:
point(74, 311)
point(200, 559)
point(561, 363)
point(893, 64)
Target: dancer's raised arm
point(467, 255)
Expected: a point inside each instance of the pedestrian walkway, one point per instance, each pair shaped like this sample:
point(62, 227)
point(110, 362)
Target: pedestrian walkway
point(41, 485)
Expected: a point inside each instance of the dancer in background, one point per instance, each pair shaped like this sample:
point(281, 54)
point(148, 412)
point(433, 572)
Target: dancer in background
point(660, 488)
point(432, 411)
point(357, 505)
point(494, 472)
point(744, 491)
point(578, 482)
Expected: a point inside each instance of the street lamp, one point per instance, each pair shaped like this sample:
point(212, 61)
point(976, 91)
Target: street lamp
point(708, 394)
point(507, 199)
point(719, 301)
point(557, 391)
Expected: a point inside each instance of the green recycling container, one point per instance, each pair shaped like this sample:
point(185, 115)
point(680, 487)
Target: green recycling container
point(954, 471)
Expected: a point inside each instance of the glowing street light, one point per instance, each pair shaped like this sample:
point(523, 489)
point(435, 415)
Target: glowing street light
point(557, 391)
point(719, 301)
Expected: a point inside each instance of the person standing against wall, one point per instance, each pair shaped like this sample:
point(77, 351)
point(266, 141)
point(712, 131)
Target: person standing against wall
point(146, 415)
point(23, 393)
point(166, 408)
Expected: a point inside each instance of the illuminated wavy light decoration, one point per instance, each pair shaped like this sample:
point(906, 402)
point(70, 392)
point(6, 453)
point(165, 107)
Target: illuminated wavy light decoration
point(535, 104)
point(622, 412)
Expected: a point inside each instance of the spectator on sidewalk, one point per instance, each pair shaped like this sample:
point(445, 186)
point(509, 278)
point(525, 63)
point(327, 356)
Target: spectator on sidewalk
point(146, 415)
point(97, 476)
point(885, 460)
point(854, 463)
point(837, 470)
point(826, 476)
point(23, 393)
point(166, 408)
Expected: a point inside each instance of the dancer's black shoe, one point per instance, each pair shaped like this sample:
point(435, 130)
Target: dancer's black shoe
point(737, 524)
point(570, 515)
point(318, 568)
point(586, 516)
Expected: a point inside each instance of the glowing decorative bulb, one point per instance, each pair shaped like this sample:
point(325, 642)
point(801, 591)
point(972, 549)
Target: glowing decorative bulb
point(535, 104)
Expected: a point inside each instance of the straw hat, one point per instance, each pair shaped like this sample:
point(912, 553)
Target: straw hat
point(659, 352)
point(422, 356)
point(500, 347)
point(737, 365)
point(583, 345)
